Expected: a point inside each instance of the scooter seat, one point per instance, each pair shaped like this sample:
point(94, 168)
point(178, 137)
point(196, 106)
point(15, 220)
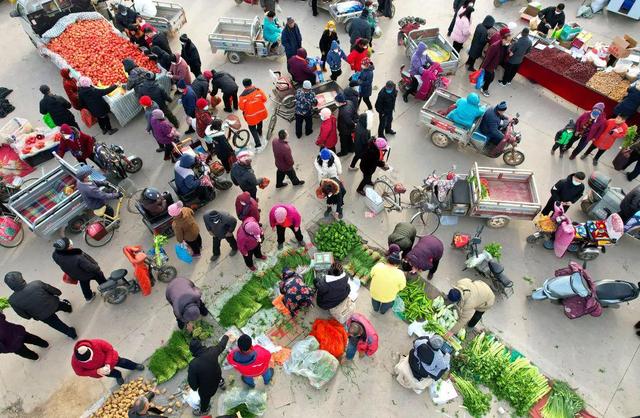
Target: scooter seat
point(108, 285)
point(616, 290)
point(118, 274)
point(498, 272)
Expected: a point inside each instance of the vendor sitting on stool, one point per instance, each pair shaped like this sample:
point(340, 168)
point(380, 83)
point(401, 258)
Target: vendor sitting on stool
point(92, 195)
point(425, 364)
point(155, 203)
point(186, 180)
point(297, 295)
point(251, 361)
point(363, 338)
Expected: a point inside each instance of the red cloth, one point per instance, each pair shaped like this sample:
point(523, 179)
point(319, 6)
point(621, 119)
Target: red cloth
point(331, 336)
point(596, 128)
point(257, 367)
point(328, 136)
point(293, 216)
point(203, 119)
point(355, 59)
point(612, 131)
point(103, 353)
point(249, 210)
point(70, 87)
point(81, 146)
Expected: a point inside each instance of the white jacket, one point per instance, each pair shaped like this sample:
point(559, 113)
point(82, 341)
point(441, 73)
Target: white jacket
point(324, 171)
point(145, 7)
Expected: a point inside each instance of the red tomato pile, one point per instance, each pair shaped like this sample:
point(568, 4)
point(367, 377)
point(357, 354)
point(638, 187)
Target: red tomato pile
point(94, 50)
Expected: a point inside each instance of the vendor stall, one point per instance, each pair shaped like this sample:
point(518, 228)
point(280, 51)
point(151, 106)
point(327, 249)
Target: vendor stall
point(33, 145)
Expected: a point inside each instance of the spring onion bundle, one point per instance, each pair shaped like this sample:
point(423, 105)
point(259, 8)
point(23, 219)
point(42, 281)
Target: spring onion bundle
point(563, 402)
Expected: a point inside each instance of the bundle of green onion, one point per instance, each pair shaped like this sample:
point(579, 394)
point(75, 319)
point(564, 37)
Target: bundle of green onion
point(563, 402)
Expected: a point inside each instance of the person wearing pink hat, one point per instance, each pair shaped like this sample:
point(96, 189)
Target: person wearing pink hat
point(185, 227)
point(249, 238)
point(328, 137)
point(282, 217)
point(372, 158)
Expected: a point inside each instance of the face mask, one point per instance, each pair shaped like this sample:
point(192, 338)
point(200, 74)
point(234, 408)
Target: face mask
point(389, 90)
point(357, 88)
point(594, 115)
point(337, 50)
point(258, 239)
point(67, 136)
point(576, 182)
point(206, 108)
point(331, 29)
point(243, 203)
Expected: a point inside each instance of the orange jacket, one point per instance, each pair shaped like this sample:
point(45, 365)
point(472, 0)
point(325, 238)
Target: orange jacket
point(251, 103)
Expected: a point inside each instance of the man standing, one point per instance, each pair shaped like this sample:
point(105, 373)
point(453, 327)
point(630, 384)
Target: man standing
point(291, 38)
point(151, 88)
point(40, 301)
point(205, 374)
point(252, 101)
point(551, 18)
point(243, 176)
point(221, 225)
point(14, 339)
point(190, 54)
point(56, 106)
point(225, 82)
point(188, 100)
point(516, 54)
point(347, 120)
point(186, 300)
point(360, 28)
point(473, 298)
point(305, 103)
point(566, 192)
point(97, 358)
point(284, 161)
point(78, 265)
point(385, 105)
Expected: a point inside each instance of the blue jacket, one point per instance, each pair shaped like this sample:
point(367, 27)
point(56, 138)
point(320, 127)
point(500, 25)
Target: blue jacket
point(291, 40)
point(93, 196)
point(366, 81)
point(189, 101)
point(271, 31)
point(186, 180)
point(467, 110)
point(490, 126)
point(334, 59)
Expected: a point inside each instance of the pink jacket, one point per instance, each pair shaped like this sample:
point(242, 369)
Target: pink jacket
point(370, 346)
point(429, 77)
point(246, 242)
point(180, 70)
point(293, 216)
point(461, 29)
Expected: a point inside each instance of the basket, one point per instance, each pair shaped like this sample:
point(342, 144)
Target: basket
point(233, 122)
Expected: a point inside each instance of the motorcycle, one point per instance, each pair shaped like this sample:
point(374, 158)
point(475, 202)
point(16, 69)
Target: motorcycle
point(483, 262)
point(117, 287)
point(441, 82)
point(112, 159)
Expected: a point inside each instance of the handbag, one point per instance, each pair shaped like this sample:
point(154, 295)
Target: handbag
point(68, 279)
point(88, 118)
point(48, 120)
point(183, 253)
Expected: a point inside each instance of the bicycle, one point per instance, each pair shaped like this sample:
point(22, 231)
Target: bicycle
point(99, 230)
point(427, 217)
point(236, 135)
point(11, 229)
point(7, 190)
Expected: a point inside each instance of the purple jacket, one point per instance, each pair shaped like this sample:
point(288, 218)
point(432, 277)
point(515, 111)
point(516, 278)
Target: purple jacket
point(293, 216)
point(181, 293)
point(282, 154)
point(425, 252)
point(162, 130)
point(419, 59)
point(299, 67)
point(11, 335)
point(246, 242)
point(596, 129)
point(494, 56)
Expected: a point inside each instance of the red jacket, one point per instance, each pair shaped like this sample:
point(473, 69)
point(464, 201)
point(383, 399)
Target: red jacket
point(328, 134)
point(81, 146)
point(282, 154)
point(70, 87)
point(250, 209)
point(355, 59)
point(495, 55)
point(612, 131)
point(103, 353)
point(203, 120)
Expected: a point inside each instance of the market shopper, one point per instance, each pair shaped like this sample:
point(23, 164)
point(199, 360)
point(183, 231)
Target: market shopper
point(404, 236)
point(462, 28)
point(632, 153)
point(97, 358)
point(335, 56)
point(494, 57)
point(251, 360)
point(347, 121)
point(360, 28)
point(458, 7)
point(151, 88)
point(296, 294)
point(627, 107)
point(217, 144)
point(551, 18)
point(515, 56)
point(372, 159)
point(589, 126)
point(362, 137)
point(247, 207)
point(185, 227)
point(243, 176)
point(333, 191)
point(425, 255)
point(158, 39)
point(179, 69)
point(385, 105)
point(124, 17)
point(630, 205)
point(190, 54)
point(201, 84)
point(70, 86)
point(564, 137)
point(305, 104)
point(614, 129)
point(160, 56)
point(93, 196)
point(283, 217)
point(387, 280)
point(298, 66)
point(467, 110)
point(269, 5)
point(250, 237)
point(252, 104)
point(135, 74)
point(472, 298)
point(14, 339)
point(142, 408)
point(332, 293)
point(291, 37)
point(204, 374)
point(327, 164)
point(203, 118)
point(57, 107)
point(328, 136)
point(363, 338)
point(221, 225)
point(359, 52)
point(226, 83)
point(164, 133)
point(188, 100)
point(92, 99)
point(185, 299)
point(284, 161)
point(78, 265)
point(149, 106)
point(366, 83)
point(425, 364)
point(329, 36)
point(40, 301)
point(479, 41)
point(76, 141)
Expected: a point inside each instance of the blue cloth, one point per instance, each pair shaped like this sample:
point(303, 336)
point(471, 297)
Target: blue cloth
point(291, 40)
point(490, 126)
point(467, 110)
point(189, 101)
point(270, 30)
point(366, 82)
point(352, 349)
point(266, 377)
point(334, 59)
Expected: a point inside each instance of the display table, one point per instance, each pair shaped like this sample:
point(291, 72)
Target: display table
point(570, 90)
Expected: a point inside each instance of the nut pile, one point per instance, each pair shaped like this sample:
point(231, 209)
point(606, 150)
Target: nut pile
point(619, 91)
point(604, 82)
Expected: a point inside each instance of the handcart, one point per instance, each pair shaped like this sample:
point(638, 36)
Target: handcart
point(438, 48)
point(170, 17)
point(241, 37)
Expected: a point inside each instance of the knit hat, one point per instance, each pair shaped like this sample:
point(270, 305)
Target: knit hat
point(244, 156)
point(501, 106)
point(201, 103)
point(306, 84)
point(145, 101)
point(290, 20)
point(62, 243)
point(44, 89)
point(599, 106)
point(393, 254)
point(83, 171)
point(454, 295)
point(207, 74)
point(84, 81)
point(181, 84)
point(325, 154)
point(175, 209)
point(436, 342)
point(191, 312)
point(245, 342)
point(325, 113)
point(340, 98)
point(252, 228)
point(65, 129)
point(157, 114)
point(381, 143)
point(504, 32)
point(330, 25)
point(280, 214)
point(83, 353)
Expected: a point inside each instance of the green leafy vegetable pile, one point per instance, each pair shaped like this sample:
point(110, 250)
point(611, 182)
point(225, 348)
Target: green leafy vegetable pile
point(495, 249)
point(4, 304)
point(338, 238)
point(361, 260)
point(417, 306)
point(166, 361)
point(563, 402)
point(477, 403)
point(488, 361)
point(202, 330)
point(244, 411)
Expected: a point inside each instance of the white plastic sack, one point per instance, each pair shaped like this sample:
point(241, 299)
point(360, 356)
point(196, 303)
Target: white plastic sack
point(417, 328)
point(306, 360)
point(192, 398)
point(597, 5)
point(256, 400)
point(354, 285)
point(442, 392)
point(298, 352)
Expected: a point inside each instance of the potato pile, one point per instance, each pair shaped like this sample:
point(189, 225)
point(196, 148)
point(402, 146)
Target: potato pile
point(604, 82)
point(120, 401)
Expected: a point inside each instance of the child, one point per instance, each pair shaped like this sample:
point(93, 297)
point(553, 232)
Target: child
point(363, 338)
point(334, 59)
point(251, 361)
point(564, 137)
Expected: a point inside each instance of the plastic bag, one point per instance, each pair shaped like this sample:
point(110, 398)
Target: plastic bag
point(442, 392)
point(480, 80)
point(298, 351)
point(255, 400)
point(193, 399)
point(182, 252)
point(48, 120)
point(306, 360)
point(88, 118)
point(398, 307)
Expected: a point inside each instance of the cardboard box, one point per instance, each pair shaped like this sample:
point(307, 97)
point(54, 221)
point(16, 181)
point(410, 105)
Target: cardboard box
point(529, 12)
point(621, 46)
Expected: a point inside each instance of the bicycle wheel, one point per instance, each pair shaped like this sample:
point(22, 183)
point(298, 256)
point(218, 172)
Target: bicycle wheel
point(272, 125)
point(385, 191)
point(102, 241)
point(426, 223)
point(241, 138)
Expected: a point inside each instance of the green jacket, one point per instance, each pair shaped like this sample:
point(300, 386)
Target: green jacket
point(404, 235)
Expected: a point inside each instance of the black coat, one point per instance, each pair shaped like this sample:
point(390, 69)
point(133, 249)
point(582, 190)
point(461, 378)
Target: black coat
point(332, 290)
point(160, 40)
point(371, 159)
point(162, 57)
point(630, 104)
point(362, 139)
point(204, 370)
point(351, 94)
point(360, 28)
point(77, 264)
point(480, 37)
point(326, 39)
point(152, 89)
point(223, 81)
point(200, 87)
point(92, 99)
point(36, 299)
point(58, 107)
point(565, 191)
point(630, 204)
point(386, 102)
point(191, 55)
point(219, 223)
point(347, 118)
point(549, 16)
